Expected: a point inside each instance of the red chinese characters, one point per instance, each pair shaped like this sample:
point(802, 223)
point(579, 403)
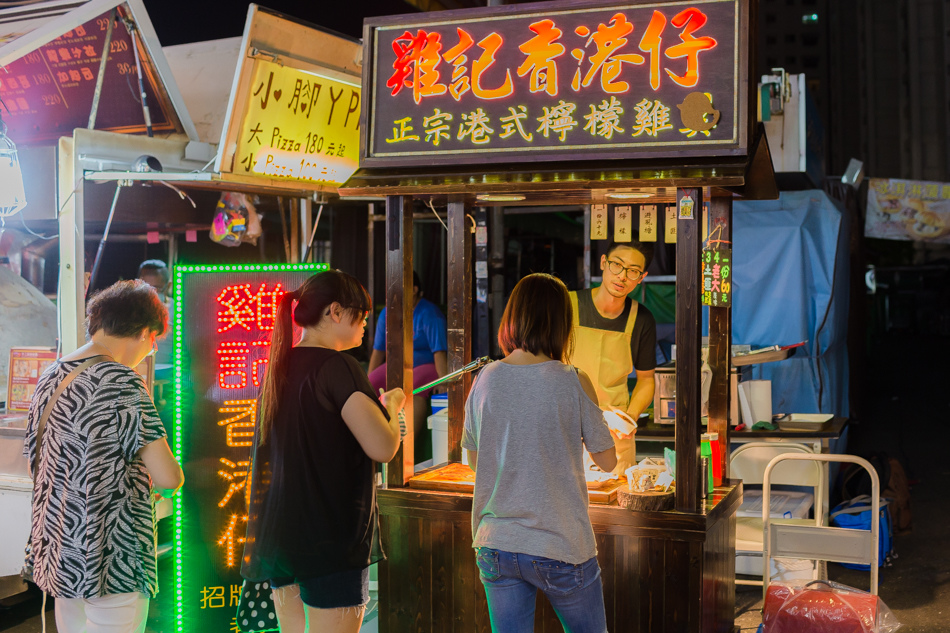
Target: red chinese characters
point(416, 65)
point(540, 52)
point(605, 52)
point(244, 309)
point(690, 21)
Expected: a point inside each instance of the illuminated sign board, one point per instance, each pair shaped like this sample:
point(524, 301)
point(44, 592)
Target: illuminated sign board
point(299, 125)
point(567, 82)
point(49, 92)
point(223, 322)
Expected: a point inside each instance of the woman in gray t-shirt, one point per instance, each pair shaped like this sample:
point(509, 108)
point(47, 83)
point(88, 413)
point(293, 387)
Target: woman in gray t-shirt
point(528, 419)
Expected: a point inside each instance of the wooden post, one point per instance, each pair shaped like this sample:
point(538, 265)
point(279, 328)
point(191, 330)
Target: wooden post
point(720, 338)
point(399, 325)
point(689, 202)
point(459, 320)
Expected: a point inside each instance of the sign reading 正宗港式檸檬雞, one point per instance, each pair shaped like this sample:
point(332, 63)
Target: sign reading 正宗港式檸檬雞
point(564, 82)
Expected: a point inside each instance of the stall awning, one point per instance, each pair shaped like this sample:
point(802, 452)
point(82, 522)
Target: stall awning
point(51, 56)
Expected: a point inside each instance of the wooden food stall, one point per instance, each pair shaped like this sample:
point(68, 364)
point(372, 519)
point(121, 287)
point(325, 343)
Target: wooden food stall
point(596, 104)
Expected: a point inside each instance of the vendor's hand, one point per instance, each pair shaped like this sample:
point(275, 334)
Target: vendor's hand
point(622, 436)
point(394, 399)
point(622, 465)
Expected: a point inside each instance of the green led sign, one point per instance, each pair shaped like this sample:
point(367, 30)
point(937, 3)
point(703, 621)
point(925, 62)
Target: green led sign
point(224, 316)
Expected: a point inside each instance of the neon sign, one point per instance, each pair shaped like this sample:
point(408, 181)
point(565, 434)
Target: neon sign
point(224, 319)
point(467, 84)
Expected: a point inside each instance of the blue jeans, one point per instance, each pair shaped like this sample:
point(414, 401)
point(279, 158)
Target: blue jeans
point(512, 581)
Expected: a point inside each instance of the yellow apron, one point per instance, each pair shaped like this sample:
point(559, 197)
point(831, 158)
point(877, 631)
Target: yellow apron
point(605, 357)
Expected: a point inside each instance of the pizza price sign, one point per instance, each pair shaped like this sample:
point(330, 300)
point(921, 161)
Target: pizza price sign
point(717, 278)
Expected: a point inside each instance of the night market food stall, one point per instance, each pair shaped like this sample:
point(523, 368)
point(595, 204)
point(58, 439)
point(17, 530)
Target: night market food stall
point(289, 128)
point(597, 104)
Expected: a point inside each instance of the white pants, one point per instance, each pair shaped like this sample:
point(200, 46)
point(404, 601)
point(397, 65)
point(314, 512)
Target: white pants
point(115, 613)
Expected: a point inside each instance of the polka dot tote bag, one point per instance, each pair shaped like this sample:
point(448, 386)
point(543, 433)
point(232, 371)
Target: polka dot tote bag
point(255, 610)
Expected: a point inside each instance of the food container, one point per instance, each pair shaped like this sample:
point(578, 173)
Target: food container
point(805, 422)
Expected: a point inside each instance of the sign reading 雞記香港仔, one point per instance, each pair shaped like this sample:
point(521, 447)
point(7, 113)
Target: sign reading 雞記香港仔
point(572, 82)
point(300, 126)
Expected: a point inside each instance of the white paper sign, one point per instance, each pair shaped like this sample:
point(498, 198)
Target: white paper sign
point(671, 224)
point(598, 221)
point(648, 222)
point(623, 224)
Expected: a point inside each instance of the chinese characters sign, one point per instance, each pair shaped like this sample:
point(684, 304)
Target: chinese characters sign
point(717, 278)
point(908, 210)
point(48, 92)
point(628, 79)
point(222, 341)
point(299, 126)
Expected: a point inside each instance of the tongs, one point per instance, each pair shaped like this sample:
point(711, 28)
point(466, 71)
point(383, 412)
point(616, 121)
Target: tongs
point(472, 366)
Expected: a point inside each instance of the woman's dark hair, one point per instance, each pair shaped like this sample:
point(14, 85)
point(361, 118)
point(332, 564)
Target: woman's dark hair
point(313, 300)
point(538, 318)
point(126, 308)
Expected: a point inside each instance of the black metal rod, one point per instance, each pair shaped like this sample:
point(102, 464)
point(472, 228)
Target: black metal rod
point(103, 240)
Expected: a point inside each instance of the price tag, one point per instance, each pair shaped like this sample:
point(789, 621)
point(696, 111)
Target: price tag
point(648, 223)
point(717, 278)
point(623, 224)
point(598, 221)
point(670, 236)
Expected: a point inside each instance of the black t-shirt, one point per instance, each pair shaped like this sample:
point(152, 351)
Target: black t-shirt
point(643, 337)
point(313, 494)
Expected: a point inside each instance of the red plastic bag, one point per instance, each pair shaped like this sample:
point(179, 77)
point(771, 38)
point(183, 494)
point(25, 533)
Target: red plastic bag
point(824, 607)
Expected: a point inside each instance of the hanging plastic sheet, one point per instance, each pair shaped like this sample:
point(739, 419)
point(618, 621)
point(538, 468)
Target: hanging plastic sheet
point(791, 285)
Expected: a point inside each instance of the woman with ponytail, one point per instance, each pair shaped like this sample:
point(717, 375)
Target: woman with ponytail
point(312, 526)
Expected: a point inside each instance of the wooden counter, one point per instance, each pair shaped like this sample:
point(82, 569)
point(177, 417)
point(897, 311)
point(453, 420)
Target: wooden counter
point(663, 572)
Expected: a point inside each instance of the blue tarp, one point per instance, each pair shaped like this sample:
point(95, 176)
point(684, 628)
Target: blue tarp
point(791, 285)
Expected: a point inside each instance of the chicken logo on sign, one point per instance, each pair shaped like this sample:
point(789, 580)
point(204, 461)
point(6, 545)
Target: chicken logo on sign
point(697, 114)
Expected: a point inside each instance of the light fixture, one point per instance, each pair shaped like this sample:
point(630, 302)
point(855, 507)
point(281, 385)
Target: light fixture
point(493, 197)
point(630, 195)
point(12, 196)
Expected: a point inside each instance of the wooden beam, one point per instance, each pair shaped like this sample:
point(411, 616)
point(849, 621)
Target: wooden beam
point(689, 202)
point(720, 338)
point(459, 320)
point(399, 325)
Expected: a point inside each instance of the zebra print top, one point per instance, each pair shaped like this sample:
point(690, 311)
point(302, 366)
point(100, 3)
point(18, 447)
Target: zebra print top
point(93, 524)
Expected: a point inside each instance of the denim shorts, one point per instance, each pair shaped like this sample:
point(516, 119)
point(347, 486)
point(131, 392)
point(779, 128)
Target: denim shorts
point(349, 588)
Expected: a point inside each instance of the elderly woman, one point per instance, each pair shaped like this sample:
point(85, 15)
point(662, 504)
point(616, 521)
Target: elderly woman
point(97, 451)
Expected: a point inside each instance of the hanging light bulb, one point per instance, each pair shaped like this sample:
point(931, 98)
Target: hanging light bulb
point(12, 196)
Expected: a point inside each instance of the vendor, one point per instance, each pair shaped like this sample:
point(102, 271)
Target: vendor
point(429, 345)
point(615, 335)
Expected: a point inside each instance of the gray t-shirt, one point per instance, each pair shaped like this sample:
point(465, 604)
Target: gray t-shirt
point(530, 424)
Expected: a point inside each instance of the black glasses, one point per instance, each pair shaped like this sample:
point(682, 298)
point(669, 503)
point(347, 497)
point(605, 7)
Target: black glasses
point(616, 268)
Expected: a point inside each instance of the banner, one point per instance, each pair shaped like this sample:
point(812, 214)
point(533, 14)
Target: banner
point(908, 210)
point(567, 82)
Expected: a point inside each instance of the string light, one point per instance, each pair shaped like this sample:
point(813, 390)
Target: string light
point(245, 410)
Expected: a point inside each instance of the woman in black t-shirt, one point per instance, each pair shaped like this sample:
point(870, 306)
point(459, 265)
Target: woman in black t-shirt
point(312, 528)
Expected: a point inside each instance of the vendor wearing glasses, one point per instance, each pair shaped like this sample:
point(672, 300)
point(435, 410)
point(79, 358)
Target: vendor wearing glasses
point(615, 335)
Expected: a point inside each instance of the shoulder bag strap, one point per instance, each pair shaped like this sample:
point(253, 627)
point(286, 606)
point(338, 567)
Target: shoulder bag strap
point(41, 426)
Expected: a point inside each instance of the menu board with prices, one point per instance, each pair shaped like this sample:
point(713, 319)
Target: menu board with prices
point(299, 125)
point(49, 92)
point(27, 364)
point(717, 278)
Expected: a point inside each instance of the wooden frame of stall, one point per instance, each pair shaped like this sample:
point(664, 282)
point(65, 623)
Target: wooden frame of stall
point(662, 571)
